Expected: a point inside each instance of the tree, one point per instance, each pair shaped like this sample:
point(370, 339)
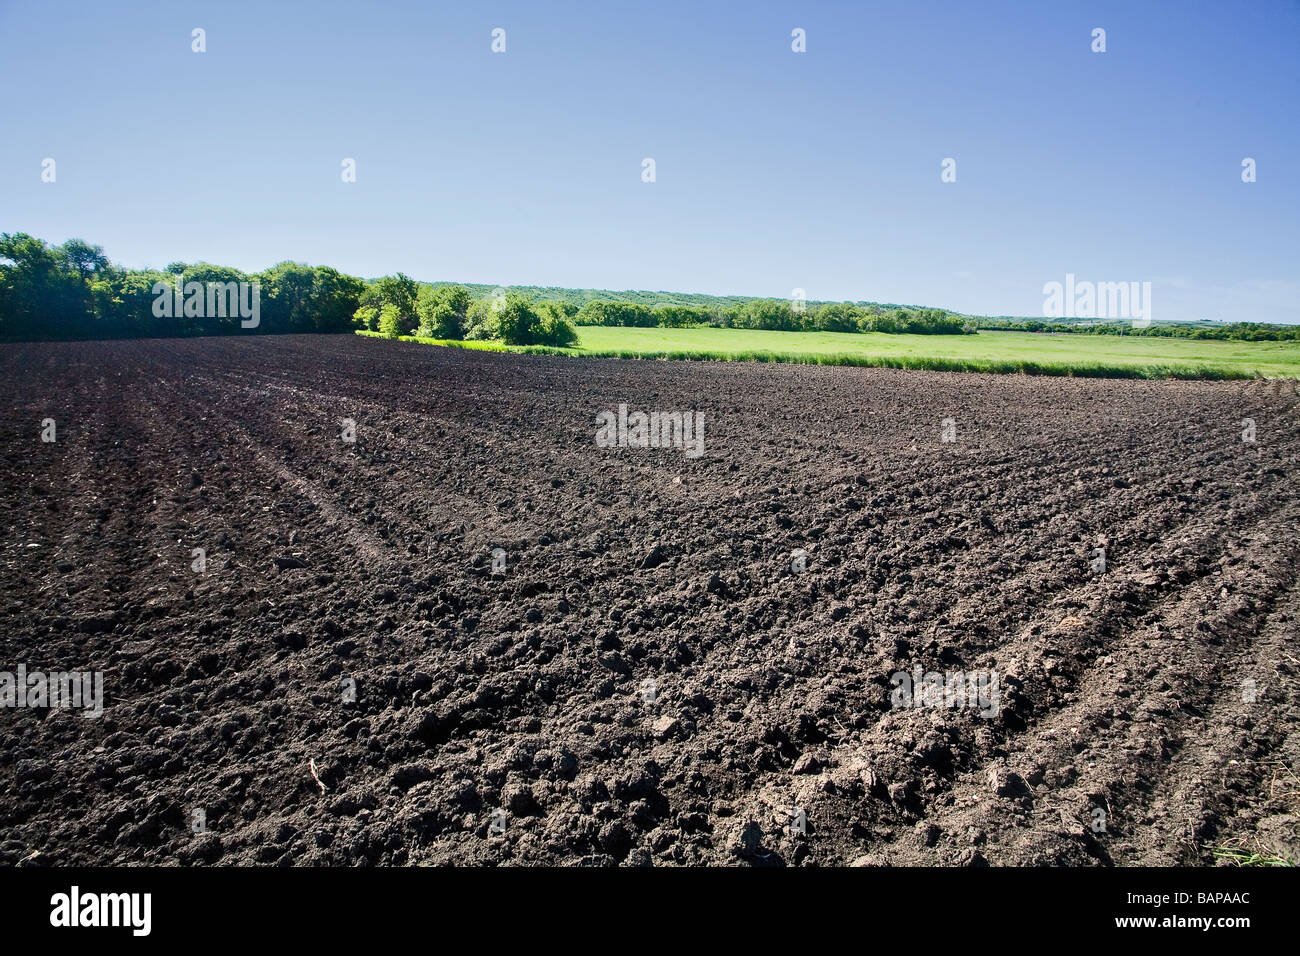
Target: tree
point(123, 303)
point(837, 317)
point(768, 314)
point(390, 321)
point(214, 281)
point(41, 295)
point(286, 297)
point(628, 314)
point(400, 291)
point(335, 297)
point(73, 291)
point(554, 327)
point(679, 316)
point(481, 320)
point(366, 317)
point(517, 322)
point(81, 257)
point(442, 311)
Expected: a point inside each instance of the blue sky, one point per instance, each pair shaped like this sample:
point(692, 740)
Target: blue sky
point(774, 170)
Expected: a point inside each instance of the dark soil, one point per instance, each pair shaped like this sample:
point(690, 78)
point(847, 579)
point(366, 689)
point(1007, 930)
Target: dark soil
point(370, 565)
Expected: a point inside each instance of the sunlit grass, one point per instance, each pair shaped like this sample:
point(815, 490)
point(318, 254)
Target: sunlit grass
point(1028, 353)
point(1244, 858)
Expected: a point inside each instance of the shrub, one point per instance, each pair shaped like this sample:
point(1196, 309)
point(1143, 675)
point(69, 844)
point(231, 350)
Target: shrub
point(767, 314)
point(519, 323)
point(627, 314)
point(680, 316)
point(554, 327)
point(442, 311)
point(399, 291)
point(390, 321)
point(837, 317)
point(481, 320)
point(366, 317)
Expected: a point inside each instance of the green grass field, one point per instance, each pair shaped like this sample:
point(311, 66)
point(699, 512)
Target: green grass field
point(1104, 356)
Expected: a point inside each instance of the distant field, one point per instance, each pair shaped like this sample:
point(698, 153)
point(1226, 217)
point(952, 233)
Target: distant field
point(1042, 353)
point(991, 349)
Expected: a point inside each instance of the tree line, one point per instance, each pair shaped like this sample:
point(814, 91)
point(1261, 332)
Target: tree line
point(397, 305)
point(73, 291)
point(1225, 331)
point(780, 315)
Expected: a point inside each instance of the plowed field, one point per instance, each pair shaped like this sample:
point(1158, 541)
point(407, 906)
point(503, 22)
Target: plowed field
point(683, 660)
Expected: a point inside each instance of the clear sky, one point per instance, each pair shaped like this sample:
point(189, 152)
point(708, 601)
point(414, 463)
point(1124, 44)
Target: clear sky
point(774, 170)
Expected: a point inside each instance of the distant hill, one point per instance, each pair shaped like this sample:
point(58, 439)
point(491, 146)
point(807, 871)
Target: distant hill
point(581, 297)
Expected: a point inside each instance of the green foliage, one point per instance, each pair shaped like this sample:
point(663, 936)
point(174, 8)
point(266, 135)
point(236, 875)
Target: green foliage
point(1239, 857)
point(366, 317)
point(213, 280)
point(390, 321)
point(916, 322)
point(995, 351)
point(553, 327)
point(82, 258)
point(839, 317)
point(45, 291)
point(1216, 331)
point(123, 303)
point(924, 362)
point(773, 314)
point(625, 314)
point(399, 291)
point(335, 298)
point(481, 320)
point(442, 311)
point(73, 291)
point(517, 321)
point(680, 316)
point(574, 299)
point(299, 298)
